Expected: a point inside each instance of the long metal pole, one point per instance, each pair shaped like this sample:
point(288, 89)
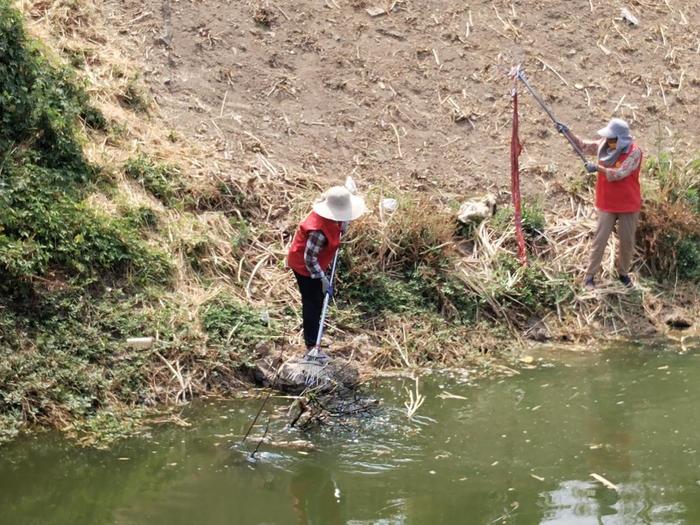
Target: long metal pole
point(520, 75)
point(326, 301)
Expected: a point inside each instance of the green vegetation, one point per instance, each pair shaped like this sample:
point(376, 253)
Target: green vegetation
point(63, 357)
point(63, 263)
point(670, 225)
point(234, 328)
point(532, 218)
point(46, 226)
point(161, 180)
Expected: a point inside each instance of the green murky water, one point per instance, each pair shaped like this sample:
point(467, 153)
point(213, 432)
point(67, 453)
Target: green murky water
point(514, 451)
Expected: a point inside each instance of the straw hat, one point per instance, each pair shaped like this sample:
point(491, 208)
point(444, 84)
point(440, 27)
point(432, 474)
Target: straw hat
point(617, 129)
point(339, 204)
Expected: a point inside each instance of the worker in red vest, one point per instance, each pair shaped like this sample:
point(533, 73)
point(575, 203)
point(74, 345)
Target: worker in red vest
point(311, 253)
point(618, 196)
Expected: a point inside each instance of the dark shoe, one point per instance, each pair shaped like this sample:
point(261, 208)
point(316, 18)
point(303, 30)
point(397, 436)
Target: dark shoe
point(626, 280)
point(589, 283)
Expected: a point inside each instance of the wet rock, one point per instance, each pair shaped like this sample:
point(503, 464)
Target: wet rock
point(537, 330)
point(295, 375)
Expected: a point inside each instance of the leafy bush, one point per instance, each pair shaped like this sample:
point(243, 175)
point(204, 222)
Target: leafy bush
point(688, 258)
point(528, 286)
point(235, 326)
point(532, 218)
point(669, 229)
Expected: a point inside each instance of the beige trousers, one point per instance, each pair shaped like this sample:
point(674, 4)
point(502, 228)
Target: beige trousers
point(626, 229)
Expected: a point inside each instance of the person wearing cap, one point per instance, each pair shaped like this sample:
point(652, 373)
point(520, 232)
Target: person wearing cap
point(312, 250)
point(618, 196)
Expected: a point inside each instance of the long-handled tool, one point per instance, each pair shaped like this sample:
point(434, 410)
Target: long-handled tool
point(519, 74)
point(315, 355)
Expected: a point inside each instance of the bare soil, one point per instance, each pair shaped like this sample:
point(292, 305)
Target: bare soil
point(419, 96)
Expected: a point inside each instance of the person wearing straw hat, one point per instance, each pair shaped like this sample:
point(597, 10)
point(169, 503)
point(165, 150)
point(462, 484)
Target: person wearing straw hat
point(618, 196)
point(312, 250)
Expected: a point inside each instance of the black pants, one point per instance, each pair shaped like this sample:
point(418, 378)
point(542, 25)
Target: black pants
point(311, 306)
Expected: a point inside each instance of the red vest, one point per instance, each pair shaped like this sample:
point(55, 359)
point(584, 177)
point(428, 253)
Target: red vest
point(314, 222)
point(622, 196)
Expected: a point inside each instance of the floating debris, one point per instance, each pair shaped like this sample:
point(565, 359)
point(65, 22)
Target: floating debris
point(609, 484)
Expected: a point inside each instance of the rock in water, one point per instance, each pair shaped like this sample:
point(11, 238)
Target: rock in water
point(295, 375)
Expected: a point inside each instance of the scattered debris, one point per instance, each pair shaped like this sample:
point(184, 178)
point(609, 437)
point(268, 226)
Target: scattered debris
point(629, 17)
point(604, 481)
point(376, 11)
point(140, 343)
point(474, 211)
point(447, 395)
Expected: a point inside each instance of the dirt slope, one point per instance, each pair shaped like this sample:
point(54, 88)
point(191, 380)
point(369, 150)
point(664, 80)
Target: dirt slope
point(419, 95)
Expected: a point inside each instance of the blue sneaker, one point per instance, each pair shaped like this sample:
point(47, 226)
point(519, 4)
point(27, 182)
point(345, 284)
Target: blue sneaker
point(589, 283)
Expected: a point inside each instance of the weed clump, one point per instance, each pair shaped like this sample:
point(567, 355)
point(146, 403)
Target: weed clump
point(134, 97)
point(395, 262)
point(235, 328)
point(161, 180)
point(533, 220)
point(669, 229)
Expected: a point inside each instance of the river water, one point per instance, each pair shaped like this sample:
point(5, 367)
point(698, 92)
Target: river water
point(517, 451)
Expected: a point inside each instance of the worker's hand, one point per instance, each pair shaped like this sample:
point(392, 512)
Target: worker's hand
point(326, 286)
point(591, 167)
point(561, 127)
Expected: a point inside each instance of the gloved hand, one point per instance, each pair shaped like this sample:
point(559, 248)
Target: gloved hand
point(591, 167)
point(326, 286)
point(561, 127)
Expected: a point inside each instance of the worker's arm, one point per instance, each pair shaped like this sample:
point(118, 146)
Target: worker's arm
point(630, 164)
point(314, 244)
point(588, 147)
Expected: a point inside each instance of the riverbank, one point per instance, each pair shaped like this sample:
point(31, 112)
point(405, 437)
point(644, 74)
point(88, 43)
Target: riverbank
point(120, 220)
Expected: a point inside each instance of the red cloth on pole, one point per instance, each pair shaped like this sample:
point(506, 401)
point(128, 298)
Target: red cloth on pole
point(515, 149)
